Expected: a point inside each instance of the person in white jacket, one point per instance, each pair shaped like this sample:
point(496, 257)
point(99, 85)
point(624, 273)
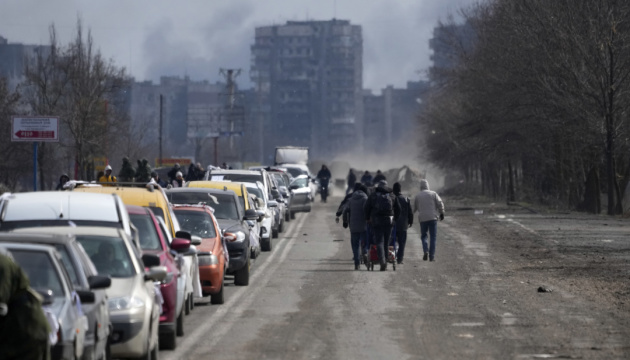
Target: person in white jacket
point(430, 208)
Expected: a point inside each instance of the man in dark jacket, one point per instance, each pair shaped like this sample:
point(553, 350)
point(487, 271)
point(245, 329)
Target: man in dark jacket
point(354, 216)
point(63, 179)
point(324, 177)
point(366, 179)
point(352, 179)
point(24, 329)
point(172, 174)
point(404, 221)
point(380, 211)
point(379, 177)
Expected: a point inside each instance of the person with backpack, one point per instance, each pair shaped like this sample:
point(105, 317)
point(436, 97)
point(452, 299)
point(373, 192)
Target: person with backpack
point(324, 178)
point(354, 217)
point(430, 208)
point(380, 211)
point(404, 221)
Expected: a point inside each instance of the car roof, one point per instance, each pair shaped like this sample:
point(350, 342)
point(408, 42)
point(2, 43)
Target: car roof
point(28, 235)
point(30, 246)
point(140, 196)
point(241, 172)
point(225, 185)
point(66, 231)
point(59, 205)
point(201, 189)
point(135, 209)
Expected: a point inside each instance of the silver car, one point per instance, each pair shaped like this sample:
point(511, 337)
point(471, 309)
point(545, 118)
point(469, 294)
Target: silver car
point(43, 266)
point(84, 277)
point(133, 301)
point(302, 195)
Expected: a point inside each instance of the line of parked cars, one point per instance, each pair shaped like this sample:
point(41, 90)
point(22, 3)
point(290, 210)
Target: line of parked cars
point(118, 265)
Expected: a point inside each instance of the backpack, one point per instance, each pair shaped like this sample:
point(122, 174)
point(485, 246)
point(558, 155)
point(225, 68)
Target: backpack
point(384, 205)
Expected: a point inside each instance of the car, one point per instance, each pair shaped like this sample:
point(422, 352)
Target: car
point(240, 190)
point(213, 253)
point(134, 301)
point(300, 169)
point(84, 277)
point(255, 226)
point(283, 180)
point(152, 196)
point(302, 195)
point(58, 208)
point(154, 241)
point(47, 275)
point(268, 217)
point(248, 176)
point(232, 219)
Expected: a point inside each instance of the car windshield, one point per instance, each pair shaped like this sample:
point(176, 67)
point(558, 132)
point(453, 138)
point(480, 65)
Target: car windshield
point(40, 270)
point(110, 255)
point(300, 183)
point(237, 177)
point(256, 191)
point(68, 264)
point(223, 204)
point(279, 179)
point(196, 222)
point(149, 239)
point(295, 172)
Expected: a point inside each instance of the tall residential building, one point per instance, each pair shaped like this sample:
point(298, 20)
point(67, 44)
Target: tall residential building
point(308, 81)
point(13, 57)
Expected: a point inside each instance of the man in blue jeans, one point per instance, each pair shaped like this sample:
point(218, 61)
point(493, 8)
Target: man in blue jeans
point(430, 208)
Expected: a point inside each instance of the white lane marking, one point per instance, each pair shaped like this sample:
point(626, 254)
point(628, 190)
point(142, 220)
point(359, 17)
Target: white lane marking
point(468, 324)
point(518, 223)
point(240, 301)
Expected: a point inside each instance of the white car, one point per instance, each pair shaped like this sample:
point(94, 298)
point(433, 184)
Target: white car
point(268, 220)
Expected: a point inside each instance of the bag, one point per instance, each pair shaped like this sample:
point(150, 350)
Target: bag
point(384, 204)
point(373, 253)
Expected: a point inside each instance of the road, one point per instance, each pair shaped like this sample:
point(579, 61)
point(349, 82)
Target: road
point(478, 300)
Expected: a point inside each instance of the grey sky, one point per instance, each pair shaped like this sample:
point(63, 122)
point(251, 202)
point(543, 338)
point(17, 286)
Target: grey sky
point(197, 37)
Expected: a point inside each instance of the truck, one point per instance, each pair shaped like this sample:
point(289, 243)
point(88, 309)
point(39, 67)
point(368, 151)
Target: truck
point(291, 155)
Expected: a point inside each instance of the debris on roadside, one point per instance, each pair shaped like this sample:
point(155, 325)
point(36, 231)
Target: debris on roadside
point(542, 289)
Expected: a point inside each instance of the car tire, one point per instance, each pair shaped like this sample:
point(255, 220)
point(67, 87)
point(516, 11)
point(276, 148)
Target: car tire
point(274, 233)
point(191, 299)
point(241, 277)
point(155, 354)
point(253, 253)
point(281, 227)
point(179, 330)
point(265, 244)
point(218, 298)
point(292, 214)
point(168, 340)
point(186, 306)
point(287, 216)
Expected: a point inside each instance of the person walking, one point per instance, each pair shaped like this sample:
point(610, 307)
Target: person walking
point(366, 179)
point(430, 208)
point(108, 177)
point(379, 177)
point(380, 211)
point(354, 217)
point(351, 179)
point(324, 176)
point(404, 221)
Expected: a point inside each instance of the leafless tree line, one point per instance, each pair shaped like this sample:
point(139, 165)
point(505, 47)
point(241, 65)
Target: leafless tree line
point(537, 108)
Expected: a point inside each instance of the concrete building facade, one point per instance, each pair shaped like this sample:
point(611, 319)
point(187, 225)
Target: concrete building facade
point(308, 82)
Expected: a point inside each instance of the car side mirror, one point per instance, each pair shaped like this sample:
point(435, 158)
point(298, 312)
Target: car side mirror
point(47, 296)
point(150, 260)
point(250, 223)
point(250, 214)
point(86, 296)
point(183, 235)
point(180, 245)
point(99, 282)
point(155, 273)
point(261, 215)
point(272, 203)
point(195, 240)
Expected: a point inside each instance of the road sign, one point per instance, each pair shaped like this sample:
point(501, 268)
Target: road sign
point(170, 162)
point(35, 128)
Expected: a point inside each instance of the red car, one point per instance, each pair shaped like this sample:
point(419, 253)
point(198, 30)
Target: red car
point(152, 241)
point(213, 256)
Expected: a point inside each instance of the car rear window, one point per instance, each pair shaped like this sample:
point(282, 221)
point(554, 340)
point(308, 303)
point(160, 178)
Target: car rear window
point(196, 222)
point(223, 204)
point(40, 270)
point(110, 255)
point(68, 264)
point(237, 177)
point(149, 238)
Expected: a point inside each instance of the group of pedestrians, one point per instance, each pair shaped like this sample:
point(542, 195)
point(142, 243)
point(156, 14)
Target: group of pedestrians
point(376, 214)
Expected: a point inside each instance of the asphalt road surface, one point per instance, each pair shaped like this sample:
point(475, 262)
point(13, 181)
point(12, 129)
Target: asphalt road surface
point(480, 299)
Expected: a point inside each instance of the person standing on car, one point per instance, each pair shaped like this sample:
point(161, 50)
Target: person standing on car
point(179, 180)
point(108, 177)
point(24, 329)
point(430, 208)
point(156, 179)
point(324, 177)
point(63, 179)
point(352, 179)
point(354, 217)
point(172, 174)
point(404, 221)
point(380, 211)
point(366, 179)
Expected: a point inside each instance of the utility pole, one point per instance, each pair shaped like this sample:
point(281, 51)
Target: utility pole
point(230, 75)
point(160, 135)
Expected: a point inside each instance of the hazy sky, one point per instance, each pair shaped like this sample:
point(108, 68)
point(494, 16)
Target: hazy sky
point(151, 38)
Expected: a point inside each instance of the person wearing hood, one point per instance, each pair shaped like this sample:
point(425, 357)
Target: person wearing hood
point(108, 177)
point(380, 211)
point(172, 174)
point(430, 208)
point(178, 181)
point(379, 177)
point(355, 218)
point(404, 221)
point(351, 179)
point(63, 179)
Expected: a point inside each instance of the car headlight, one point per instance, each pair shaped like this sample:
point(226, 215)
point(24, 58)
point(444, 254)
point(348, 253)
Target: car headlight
point(240, 236)
point(125, 302)
point(207, 259)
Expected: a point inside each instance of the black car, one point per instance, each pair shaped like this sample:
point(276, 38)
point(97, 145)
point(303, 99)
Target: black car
point(232, 219)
